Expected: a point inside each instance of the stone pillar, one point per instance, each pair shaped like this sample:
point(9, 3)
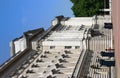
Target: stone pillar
point(12, 48)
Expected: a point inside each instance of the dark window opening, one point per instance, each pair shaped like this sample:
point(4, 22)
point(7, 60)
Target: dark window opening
point(108, 25)
point(77, 47)
point(106, 4)
point(107, 13)
point(52, 47)
point(68, 47)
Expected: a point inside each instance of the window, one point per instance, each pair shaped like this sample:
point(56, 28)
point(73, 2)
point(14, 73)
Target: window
point(106, 4)
point(77, 47)
point(68, 47)
point(107, 13)
point(52, 47)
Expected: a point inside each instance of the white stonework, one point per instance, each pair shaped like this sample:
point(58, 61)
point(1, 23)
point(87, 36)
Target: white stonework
point(20, 45)
point(77, 21)
point(56, 51)
point(66, 50)
point(59, 52)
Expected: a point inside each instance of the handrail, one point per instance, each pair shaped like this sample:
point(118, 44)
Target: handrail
point(12, 59)
point(47, 31)
point(79, 64)
point(80, 61)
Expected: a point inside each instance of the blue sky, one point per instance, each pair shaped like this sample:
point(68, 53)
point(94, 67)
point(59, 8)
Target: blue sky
point(18, 16)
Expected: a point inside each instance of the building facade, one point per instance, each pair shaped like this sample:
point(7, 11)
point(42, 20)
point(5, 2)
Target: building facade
point(55, 53)
point(70, 48)
point(116, 30)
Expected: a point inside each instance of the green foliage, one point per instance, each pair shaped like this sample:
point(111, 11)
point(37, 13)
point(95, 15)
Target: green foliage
point(86, 8)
